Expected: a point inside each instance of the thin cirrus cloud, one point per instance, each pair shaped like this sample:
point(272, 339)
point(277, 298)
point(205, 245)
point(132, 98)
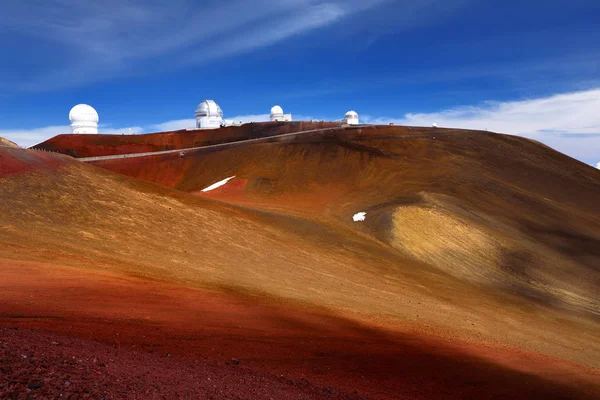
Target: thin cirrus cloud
point(88, 42)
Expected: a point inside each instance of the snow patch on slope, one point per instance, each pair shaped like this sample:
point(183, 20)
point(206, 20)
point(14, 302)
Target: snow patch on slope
point(359, 216)
point(217, 184)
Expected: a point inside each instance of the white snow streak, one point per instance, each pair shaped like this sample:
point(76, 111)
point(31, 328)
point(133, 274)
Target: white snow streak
point(218, 184)
point(359, 216)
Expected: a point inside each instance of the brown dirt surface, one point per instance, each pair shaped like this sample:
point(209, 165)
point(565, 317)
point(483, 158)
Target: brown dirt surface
point(475, 273)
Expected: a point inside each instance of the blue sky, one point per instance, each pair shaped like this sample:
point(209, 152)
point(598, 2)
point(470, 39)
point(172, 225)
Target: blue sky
point(522, 67)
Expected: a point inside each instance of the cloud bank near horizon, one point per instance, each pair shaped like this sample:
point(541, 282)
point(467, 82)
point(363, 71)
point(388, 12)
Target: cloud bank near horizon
point(568, 122)
point(566, 113)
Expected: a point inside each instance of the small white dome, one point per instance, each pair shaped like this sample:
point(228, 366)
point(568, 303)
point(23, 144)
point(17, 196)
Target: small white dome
point(208, 108)
point(276, 110)
point(83, 113)
point(351, 114)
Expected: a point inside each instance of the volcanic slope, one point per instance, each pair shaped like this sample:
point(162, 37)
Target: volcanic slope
point(502, 212)
point(295, 292)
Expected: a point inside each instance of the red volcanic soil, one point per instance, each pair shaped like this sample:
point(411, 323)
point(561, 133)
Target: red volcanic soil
point(103, 145)
point(40, 364)
point(177, 342)
point(14, 161)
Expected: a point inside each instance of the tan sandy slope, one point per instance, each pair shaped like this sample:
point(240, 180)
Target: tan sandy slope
point(7, 143)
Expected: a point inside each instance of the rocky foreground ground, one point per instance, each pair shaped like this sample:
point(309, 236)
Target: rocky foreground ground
point(36, 364)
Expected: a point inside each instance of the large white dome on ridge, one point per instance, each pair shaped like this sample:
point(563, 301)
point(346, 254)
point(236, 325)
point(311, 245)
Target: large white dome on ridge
point(84, 119)
point(208, 115)
point(83, 112)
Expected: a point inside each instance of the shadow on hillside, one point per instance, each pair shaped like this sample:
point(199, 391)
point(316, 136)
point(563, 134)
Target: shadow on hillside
point(271, 334)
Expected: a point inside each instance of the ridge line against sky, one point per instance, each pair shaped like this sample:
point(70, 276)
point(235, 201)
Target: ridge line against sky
point(568, 122)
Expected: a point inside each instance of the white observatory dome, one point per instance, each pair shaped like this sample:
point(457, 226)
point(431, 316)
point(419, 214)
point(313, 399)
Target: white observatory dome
point(276, 110)
point(351, 118)
point(278, 115)
point(208, 115)
point(84, 119)
point(208, 108)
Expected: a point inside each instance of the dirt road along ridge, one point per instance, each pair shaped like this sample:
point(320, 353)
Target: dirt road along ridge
point(103, 145)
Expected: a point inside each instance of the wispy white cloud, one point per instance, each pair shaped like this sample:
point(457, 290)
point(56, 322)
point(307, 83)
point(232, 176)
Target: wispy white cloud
point(90, 41)
point(271, 32)
point(598, 165)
